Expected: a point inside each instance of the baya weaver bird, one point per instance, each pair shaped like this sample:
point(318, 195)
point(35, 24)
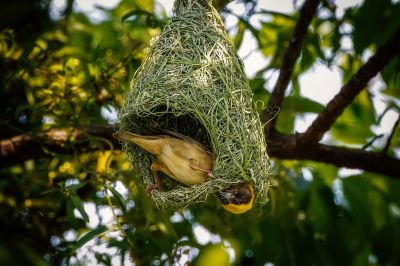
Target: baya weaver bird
point(189, 162)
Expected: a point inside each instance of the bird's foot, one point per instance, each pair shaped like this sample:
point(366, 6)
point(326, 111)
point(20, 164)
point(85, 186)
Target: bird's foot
point(150, 188)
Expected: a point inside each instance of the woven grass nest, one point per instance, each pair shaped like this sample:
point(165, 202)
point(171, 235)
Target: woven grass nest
point(193, 82)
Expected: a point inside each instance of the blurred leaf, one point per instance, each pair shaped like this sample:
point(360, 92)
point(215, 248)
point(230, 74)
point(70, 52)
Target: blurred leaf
point(104, 161)
point(276, 14)
point(353, 125)
point(75, 187)
point(78, 204)
point(396, 138)
point(368, 206)
point(118, 197)
point(273, 38)
point(141, 17)
point(213, 255)
point(135, 13)
point(391, 76)
point(292, 105)
point(388, 187)
point(89, 236)
point(322, 209)
point(375, 22)
point(238, 39)
point(286, 120)
point(70, 213)
point(349, 65)
point(301, 105)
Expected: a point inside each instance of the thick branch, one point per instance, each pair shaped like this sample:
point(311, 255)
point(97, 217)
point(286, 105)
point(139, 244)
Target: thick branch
point(307, 12)
point(353, 87)
point(23, 147)
point(288, 147)
point(220, 4)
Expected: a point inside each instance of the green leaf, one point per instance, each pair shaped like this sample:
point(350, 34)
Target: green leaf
point(252, 29)
point(142, 18)
point(374, 23)
point(369, 207)
point(135, 13)
point(88, 236)
point(78, 204)
point(301, 105)
point(391, 76)
point(70, 214)
point(354, 125)
point(75, 187)
point(118, 196)
point(238, 39)
point(285, 121)
point(213, 255)
point(322, 208)
point(276, 14)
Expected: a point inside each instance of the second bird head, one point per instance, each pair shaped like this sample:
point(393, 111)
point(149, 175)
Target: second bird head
point(237, 198)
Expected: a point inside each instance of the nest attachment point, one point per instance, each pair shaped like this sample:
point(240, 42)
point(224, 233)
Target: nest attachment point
point(193, 82)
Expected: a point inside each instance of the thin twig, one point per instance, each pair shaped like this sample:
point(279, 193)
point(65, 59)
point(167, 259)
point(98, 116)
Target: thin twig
point(369, 143)
point(389, 140)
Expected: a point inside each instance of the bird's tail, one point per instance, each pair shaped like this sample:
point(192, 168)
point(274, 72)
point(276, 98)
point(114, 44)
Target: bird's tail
point(152, 144)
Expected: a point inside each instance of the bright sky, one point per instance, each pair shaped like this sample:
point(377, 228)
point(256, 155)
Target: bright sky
point(319, 84)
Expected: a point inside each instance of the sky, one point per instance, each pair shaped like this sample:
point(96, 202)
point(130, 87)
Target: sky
point(319, 84)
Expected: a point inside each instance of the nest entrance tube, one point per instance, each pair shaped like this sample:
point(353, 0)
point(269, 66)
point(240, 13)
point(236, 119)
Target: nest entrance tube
point(192, 82)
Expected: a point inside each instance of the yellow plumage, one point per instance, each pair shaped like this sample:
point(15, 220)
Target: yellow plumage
point(189, 162)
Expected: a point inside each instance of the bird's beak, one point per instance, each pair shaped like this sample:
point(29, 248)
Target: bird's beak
point(238, 198)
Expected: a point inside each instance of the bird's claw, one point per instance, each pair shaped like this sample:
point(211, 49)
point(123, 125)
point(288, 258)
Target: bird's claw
point(150, 188)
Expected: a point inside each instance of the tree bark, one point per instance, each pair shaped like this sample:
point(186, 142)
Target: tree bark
point(56, 141)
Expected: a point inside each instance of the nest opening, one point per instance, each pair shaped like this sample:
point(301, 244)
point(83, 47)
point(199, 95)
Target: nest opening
point(185, 124)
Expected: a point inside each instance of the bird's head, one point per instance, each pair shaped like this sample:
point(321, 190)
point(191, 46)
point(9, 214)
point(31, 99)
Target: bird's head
point(238, 198)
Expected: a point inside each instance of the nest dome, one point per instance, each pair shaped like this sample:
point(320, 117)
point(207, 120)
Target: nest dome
point(193, 82)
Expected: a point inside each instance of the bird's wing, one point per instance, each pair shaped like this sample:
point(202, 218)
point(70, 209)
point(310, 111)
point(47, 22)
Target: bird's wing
point(194, 164)
point(197, 157)
point(183, 137)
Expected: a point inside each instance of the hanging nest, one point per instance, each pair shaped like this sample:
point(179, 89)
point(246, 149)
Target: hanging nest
point(193, 82)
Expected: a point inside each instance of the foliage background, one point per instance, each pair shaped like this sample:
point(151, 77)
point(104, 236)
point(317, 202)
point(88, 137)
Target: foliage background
point(81, 203)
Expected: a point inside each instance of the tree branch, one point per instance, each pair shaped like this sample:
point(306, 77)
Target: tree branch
point(23, 147)
point(353, 87)
point(220, 4)
point(307, 12)
point(289, 147)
